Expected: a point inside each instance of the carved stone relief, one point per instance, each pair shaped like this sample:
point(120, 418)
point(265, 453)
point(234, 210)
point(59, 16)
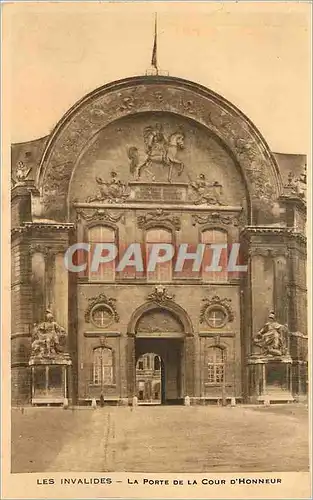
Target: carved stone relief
point(218, 218)
point(205, 192)
point(160, 294)
point(112, 191)
point(108, 311)
point(297, 186)
point(216, 312)
point(158, 321)
point(229, 125)
point(47, 250)
point(268, 252)
point(158, 216)
point(99, 214)
point(22, 172)
point(159, 151)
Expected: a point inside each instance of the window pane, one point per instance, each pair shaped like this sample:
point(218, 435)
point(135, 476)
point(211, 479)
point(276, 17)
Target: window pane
point(105, 271)
point(163, 271)
point(215, 365)
point(219, 373)
point(97, 366)
point(102, 366)
point(107, 375)
point(210, 373)
point(107, 357)
point(209, 237)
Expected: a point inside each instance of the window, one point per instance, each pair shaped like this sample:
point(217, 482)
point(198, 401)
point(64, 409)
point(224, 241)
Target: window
point(215, 317)
point(157, 363)
point(105, 271)
point(219, 237)
point(163, 271)
point(102, 366)
point(215, 365)
point(101, 316)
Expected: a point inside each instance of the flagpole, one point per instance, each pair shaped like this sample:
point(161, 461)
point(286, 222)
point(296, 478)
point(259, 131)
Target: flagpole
point(154, 58)
point(154, 67)
point(156, 40)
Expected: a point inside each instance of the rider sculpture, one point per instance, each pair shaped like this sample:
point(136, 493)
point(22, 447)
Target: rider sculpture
point(159, 150)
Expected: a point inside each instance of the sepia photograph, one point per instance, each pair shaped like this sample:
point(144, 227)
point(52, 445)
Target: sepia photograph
point(158, 217)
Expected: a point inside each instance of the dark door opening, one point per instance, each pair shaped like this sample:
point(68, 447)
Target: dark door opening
point(150, 379)
point(159, 371)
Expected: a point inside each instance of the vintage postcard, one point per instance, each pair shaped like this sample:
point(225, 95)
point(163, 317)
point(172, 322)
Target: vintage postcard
point(156, 166)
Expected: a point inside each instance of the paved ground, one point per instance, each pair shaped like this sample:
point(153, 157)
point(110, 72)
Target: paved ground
point(161, 439)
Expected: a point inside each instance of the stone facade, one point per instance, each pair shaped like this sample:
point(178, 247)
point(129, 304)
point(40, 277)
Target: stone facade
point(157, 154)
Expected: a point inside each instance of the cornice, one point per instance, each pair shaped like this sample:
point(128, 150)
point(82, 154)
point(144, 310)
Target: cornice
point(42, 226)
point(274, 230)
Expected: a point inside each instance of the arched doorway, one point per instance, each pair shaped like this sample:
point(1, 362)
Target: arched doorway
point(162, 369)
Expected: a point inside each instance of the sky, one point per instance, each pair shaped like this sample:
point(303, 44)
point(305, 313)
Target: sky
point(256, 55)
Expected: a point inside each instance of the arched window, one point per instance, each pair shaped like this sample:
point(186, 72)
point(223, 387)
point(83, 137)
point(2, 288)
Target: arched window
point(149, 378)
point(219, 237)
point(105, 271)
point(215, 365)
point(163, 271)
point(157, 363)
point(103, 366)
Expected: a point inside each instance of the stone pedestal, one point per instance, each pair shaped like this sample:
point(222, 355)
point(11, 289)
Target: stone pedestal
point(270, 379)
point(49, 379)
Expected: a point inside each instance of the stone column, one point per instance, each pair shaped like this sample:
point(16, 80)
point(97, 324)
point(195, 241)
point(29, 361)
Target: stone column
point(190, 366)
point(131, 366)
point(21, 293)
point(21, 319)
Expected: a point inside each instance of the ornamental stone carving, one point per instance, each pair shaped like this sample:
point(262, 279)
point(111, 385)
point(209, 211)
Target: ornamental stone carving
point(218, 218)
point(111, 191)
point(268, 252)
point(160, 294)
point(21, 173)
point(214, 305)
point(99, 214)
point(102, 300)
point(142, 94)
point(46, 250)
point(159, 216)
point(206, 192)
point(160, 321)
point(297, 186)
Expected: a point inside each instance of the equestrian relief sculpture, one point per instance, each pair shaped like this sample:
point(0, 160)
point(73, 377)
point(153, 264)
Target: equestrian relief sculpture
point(159, 150)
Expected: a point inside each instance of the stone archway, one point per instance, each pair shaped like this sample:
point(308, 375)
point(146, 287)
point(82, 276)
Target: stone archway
point(158, 94)
point(165, 330)
point(175, 311)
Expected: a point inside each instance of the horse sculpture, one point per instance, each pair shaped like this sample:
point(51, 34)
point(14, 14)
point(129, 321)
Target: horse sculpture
point(159, 150)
